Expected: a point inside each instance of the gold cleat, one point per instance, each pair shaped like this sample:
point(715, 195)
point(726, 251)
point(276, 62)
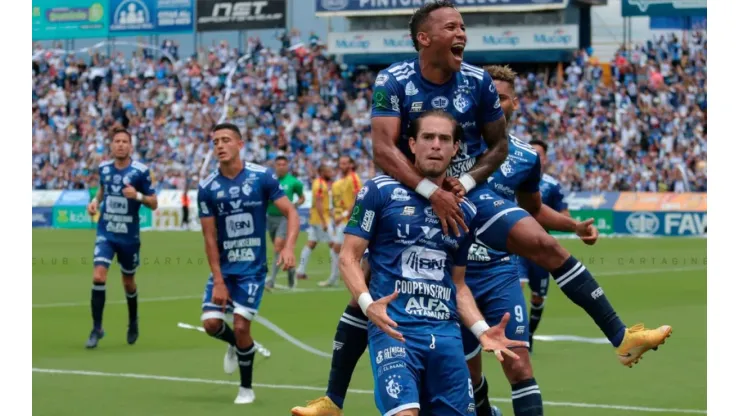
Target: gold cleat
point(322, 406)
point(638, 340)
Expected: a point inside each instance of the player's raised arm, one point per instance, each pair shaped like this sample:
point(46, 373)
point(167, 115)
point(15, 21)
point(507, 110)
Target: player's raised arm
point(386, 131)
point(206, 211)
point(494, 134)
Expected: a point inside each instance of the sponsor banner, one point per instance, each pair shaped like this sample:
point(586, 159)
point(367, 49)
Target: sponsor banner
point(479, 39)
point(77, 197)
point(603, 220)
point(663, 201)
point(591, 200)
point(407, 7)
point(650, 223)
point(71, 217)
point(170, 218)
point(144, 17)
point(215, 15)
point(664, 8)
point(44, 198)
point(42, 217)
point(69, 19)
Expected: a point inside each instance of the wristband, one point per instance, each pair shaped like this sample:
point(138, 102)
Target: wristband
point(479, 328)
point(467, 182)
point(426, 188)
point(364, 301)
point(139, 196)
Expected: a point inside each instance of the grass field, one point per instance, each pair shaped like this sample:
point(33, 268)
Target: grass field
point(174, 371)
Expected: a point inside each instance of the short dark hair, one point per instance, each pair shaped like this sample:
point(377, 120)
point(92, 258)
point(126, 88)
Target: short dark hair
point(421, 15)
point(457, 134)
point(227, 126)
point(119, 129)
point(351, 160)
point(538, 142)
point(281, 157)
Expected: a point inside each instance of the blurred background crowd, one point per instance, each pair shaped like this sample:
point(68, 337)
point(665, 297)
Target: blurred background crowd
point(638, 125)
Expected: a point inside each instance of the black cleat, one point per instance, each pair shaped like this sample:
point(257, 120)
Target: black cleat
point(95, 336)
point(133, 332)
point(531, 343)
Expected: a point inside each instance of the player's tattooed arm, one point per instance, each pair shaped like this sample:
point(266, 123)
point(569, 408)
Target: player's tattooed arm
point(497, 141)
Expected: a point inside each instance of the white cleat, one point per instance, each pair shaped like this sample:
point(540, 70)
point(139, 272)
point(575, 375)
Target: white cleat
point(231, 363)
point(245, 396)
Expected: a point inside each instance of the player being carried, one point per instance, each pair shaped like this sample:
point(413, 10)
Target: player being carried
point(418, 281)
point(125, 185)
point(530, 273)
point(343, 193)
point(232, 204)
point(277, 224)
point(439, 79)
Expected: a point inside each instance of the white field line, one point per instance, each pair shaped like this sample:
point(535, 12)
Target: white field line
point(322, 389)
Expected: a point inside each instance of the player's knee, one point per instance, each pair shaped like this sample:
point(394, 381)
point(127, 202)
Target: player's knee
point(549, 253)
point(212, 326)
point(518, 370)
point(100, 275)
point(242, 332)
point(311, 245)
point(129, 284)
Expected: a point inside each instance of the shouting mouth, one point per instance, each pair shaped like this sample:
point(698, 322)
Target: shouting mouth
point(457, 51)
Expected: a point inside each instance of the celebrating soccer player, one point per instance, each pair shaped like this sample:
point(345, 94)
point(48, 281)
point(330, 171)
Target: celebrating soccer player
point(277, 224)
point(437, 79)
point(343, 193)
point(125, 185)
point(232, 204)
point(417, 293)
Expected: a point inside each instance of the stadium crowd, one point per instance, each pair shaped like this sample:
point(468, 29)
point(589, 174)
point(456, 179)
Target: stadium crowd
point(646, 131)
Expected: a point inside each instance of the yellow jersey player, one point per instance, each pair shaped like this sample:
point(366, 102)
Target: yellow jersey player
point(319, 221)
point(343, 193)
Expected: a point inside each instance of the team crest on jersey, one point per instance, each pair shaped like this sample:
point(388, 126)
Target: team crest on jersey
point(234, 192)
point(461, 103)
point(400, 195)
point(411, 89)
point(506, 168)
point(116, 179)
point(106, 169)
point(381, 80)
point(215, 186)
point(127, 180)
point(246, 189)
point(440, 102)
point(392, 386)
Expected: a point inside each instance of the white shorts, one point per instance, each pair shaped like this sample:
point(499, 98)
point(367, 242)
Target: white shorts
point(317, 233)
point(338, 237)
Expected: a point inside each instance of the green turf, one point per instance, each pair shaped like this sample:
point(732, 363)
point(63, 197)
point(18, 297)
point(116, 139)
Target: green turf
point(655, 281)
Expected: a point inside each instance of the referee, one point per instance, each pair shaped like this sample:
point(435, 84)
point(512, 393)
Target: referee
point(276, 223)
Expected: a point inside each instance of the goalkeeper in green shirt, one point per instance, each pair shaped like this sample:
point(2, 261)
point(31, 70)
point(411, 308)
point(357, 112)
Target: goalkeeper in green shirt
point(276, 222)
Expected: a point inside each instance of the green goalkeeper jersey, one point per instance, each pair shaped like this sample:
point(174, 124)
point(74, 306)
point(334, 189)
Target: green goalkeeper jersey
point(291, 186)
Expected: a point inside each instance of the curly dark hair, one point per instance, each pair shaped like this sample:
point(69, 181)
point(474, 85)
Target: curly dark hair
point(421, 15)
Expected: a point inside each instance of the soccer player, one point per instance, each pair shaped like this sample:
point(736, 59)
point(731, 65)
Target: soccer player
point(232, 204)
point(125, 185)
point(437, 79)
point(418, 281)
point(277, 224)
point(495, 282)
point(343, 193)
point(320, 227)
point(529, 272)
